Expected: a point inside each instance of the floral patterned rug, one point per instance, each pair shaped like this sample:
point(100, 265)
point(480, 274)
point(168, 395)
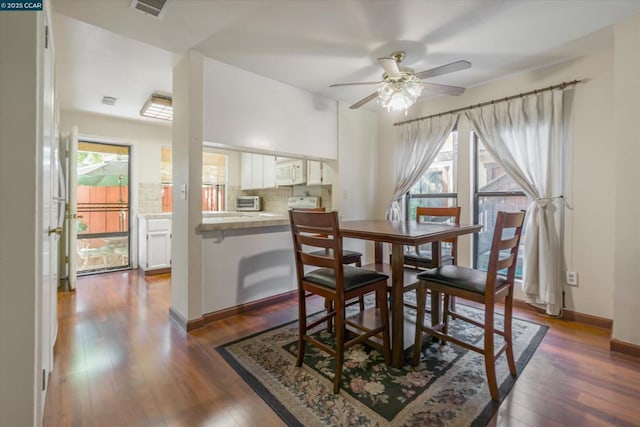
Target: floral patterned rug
point(447, 388)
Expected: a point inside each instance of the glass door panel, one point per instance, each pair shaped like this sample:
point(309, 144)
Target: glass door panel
point(103, 207)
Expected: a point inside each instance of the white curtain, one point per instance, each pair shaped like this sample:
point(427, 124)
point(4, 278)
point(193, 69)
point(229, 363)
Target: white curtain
point(420, 143)
point(526, 137)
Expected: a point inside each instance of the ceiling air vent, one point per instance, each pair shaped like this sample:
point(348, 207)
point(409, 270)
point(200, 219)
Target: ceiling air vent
point(154, 8)
point(109, 100)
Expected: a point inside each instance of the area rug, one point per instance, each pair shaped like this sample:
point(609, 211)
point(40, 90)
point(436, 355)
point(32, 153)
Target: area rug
point(447, 388)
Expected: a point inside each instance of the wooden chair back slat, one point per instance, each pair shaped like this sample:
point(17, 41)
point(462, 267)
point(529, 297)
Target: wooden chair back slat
point(509, 243)
point(505, 263)
point(317, 260)
point(317, 241)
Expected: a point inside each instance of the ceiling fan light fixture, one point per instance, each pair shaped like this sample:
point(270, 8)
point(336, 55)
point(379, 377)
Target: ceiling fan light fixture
point(158, 107)
point(399, 95)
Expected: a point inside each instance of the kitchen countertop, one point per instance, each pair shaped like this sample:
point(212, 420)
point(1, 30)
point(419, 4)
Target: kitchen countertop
point(213, 221)
point(160, 215)
point(240, 220)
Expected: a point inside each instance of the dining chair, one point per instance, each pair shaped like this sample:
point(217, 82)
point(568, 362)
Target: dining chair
point(336, 283)
point(416, 257)
point(419, 258)
point(348, 257)
point(483, 287)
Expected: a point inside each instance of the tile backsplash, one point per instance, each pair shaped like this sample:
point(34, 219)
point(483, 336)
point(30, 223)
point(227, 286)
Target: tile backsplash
point(273, 199)
point(149, 198)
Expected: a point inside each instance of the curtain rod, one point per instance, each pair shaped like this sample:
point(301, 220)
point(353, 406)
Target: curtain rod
point(562, 86)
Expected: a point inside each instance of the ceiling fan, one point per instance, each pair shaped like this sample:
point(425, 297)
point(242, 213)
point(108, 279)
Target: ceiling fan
point(401, 86)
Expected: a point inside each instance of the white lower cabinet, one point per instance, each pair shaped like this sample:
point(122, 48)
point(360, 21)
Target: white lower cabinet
point(154, 244)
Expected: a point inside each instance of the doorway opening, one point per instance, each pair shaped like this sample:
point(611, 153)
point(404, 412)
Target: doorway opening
point(104, 224)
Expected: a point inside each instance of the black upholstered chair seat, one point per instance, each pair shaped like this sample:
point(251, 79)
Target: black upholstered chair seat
point(463, 278)
point(346, 255)
point(354, 277)
point(423, 259)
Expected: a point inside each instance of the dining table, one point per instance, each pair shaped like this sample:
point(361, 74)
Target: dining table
point(399, 234)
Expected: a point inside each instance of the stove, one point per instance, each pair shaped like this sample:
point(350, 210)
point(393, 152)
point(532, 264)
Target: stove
point(307, 202)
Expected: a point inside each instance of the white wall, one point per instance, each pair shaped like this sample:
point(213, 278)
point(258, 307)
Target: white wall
point(589, 236)
point(251, 112)
point(20, 224)
point(243, 268)
point(354, 186)
point(624, 135)
point(186, 250)
point(145, 140)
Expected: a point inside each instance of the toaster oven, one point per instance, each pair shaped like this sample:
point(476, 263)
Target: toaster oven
point(248, 203)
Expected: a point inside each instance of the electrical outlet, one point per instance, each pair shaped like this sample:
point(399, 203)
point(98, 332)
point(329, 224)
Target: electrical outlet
point(572, 278)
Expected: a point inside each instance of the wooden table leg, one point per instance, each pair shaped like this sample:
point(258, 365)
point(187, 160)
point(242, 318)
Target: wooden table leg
point(436, 253)
point(435, 307)
point(436, 256)
point(397, 306)
point(378, 252)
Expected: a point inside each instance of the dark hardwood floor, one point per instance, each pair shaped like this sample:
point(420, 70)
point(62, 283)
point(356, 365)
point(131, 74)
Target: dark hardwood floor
point(119, 362)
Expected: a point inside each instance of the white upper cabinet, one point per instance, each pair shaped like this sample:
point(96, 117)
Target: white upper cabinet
point(257, 171)
point(318, 173)
point(269, 171)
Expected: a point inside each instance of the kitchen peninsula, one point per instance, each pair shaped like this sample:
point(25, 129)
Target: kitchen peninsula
point(247, 257)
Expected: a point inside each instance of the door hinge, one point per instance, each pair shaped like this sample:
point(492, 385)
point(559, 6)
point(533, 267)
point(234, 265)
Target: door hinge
point(66, 258)
point(46, 37)
point(44, 379)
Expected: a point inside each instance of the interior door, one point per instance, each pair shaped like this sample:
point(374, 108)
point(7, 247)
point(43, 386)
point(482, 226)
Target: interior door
point(50, 204)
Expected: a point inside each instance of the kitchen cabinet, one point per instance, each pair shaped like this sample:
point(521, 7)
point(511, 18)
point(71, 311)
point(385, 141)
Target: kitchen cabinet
point(268, 171)
point(154, 244)
point(318, 173)
point(257, 171)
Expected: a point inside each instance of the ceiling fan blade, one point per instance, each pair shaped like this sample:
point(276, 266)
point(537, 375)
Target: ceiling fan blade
point(390, 66)
point(363, 101)
point(444, 69)
point(449, 90)
point(354, 84)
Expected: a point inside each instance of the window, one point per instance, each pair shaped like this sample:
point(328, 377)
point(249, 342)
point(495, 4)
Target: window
point(494, 191)
point(214, 178)
point(438, 186)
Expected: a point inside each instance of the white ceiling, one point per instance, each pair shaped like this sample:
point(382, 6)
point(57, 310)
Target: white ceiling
point(104, 47)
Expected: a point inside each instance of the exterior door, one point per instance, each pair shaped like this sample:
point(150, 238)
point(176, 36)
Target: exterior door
point(102, 222)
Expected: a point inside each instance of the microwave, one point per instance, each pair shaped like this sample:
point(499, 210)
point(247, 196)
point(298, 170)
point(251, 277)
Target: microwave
point(248, 203)
point(291, 172)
